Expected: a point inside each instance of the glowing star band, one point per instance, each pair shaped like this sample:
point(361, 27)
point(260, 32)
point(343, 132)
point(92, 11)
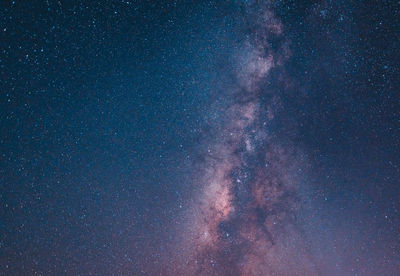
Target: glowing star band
point(249, 194)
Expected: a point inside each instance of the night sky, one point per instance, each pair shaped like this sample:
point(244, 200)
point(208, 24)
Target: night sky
point(200, 137)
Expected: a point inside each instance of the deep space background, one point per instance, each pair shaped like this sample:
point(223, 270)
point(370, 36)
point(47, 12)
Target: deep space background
point(200, 137)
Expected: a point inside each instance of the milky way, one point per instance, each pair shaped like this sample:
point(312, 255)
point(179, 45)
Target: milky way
point(244, 221)
point(218, 137)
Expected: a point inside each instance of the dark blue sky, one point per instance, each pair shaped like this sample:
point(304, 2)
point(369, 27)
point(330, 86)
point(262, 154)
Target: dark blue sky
point(112, 112)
